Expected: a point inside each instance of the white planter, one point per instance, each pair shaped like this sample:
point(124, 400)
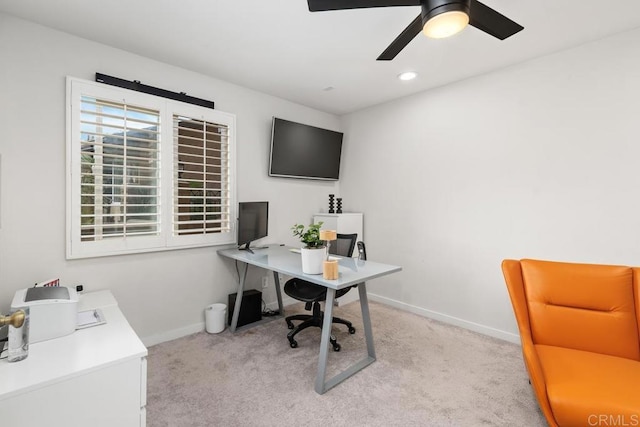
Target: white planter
point(312, 260)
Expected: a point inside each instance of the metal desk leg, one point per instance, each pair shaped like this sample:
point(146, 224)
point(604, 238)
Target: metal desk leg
point(324, 342)
point(322, 385)
point(366, 320)
point(236, 308)
point(276, 279)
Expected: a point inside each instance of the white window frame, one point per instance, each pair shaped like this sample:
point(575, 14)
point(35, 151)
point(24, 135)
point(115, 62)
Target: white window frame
point(165, 240)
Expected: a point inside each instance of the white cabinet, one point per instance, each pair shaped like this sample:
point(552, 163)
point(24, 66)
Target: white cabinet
point(95, 376)
point(344, 223)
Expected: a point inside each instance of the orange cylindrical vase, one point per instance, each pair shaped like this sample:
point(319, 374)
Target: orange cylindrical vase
point(330, 269)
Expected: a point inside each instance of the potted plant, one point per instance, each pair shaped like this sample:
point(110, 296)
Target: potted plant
point(313, 252)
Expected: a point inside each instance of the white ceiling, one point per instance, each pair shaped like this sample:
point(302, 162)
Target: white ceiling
point(280, 48)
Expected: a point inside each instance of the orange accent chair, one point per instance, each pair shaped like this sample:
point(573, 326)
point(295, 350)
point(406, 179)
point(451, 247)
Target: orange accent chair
point(578, 327)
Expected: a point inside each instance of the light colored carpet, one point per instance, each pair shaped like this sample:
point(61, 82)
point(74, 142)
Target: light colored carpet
point(427, 374)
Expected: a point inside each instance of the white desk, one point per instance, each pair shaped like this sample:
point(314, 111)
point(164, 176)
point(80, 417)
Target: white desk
point(95, 376)
point(280, 259)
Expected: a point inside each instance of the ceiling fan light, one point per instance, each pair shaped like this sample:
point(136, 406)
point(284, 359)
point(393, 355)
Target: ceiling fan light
point(445, 24)
point(407, 75)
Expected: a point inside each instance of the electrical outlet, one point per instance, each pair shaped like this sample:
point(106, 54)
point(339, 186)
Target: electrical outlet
point(265, 282)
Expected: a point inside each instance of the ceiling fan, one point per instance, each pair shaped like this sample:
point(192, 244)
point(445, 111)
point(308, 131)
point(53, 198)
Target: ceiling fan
point(439, 19)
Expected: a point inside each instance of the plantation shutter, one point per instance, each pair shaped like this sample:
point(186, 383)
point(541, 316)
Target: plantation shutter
point(119, 170)
point(202, 196)
point(145, 173)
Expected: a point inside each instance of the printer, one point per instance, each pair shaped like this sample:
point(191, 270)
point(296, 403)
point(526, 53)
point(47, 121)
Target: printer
point(53, 311)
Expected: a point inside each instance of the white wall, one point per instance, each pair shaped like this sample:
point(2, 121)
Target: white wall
point(163, 294)
point(539, 160)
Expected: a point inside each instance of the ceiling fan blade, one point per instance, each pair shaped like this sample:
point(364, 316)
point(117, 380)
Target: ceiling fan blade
point(322, 5)
point(491, 22)
point(402, 40)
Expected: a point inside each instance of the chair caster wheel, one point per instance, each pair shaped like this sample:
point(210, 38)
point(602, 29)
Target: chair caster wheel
point(293, 344)
point(336, 347)
point(352, 330)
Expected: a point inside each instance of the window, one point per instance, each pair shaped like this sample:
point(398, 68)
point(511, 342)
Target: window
point(201, 196)
point(146, 173)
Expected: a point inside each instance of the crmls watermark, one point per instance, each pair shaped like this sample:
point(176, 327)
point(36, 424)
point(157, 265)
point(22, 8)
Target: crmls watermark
point(613, 420)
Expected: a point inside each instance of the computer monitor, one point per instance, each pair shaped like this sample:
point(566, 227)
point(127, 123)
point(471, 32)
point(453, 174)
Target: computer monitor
point(253, 223)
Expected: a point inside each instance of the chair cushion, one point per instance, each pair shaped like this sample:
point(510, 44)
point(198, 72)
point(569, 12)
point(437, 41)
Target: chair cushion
point(585, 388)
point(307, 291)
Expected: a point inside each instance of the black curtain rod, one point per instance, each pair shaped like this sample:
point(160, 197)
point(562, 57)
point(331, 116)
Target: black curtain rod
point(139, 87)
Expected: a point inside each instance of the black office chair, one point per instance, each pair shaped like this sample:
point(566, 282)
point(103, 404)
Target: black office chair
point(313, 294)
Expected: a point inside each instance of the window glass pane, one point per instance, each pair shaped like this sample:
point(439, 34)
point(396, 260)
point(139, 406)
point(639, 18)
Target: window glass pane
point(120, 170)
point(200, 204)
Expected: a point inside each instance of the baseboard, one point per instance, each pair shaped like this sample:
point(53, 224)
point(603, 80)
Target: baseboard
point(347, 298)
point(273, 305)
point(350, 296)
point(286, 301)
point(476, 327)
point(172, 334)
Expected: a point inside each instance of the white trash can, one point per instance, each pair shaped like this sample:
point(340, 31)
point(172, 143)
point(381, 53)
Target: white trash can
point(214, 316)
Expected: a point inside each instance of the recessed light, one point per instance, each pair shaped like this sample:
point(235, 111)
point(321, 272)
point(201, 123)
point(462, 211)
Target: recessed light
point(408, 75)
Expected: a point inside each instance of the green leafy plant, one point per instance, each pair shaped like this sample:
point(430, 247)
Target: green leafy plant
point(309, 236)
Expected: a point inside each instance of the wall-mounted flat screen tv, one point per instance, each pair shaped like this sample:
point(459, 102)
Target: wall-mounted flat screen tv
point(303, 151)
